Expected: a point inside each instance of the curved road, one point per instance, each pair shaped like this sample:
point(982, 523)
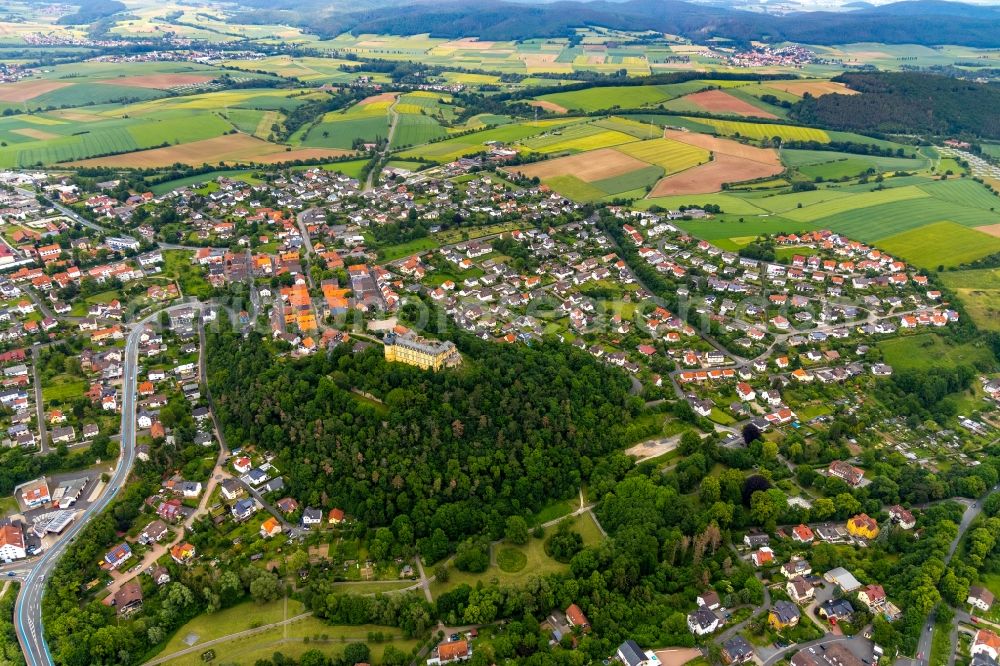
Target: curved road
point(28, 610)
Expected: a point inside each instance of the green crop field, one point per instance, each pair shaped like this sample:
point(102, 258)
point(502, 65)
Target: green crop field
point(964, 192)
point(413, 129)
point(941, 244)
point(628, 126)
point(729, 226)
point(728, 202)
point(596, 99)
point(452, 149)
point(636, 180)
point(234, 174)
point(759, 131)
point(875, 222)
point(576, 138)
point(574, 188)
point(853, 203)
point(673, 156)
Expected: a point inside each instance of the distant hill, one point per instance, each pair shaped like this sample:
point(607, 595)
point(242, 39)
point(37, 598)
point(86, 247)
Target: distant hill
point(907, 102)
point(928, 22)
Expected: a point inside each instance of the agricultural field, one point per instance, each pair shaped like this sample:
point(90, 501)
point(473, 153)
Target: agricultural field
point(979, 291)
point(368, 120)
point(731, 162)
point(625, 171)
point(575, 139)
point(631, 97)
point(469, 144)
point(941, 244)
point(718, 102)
point(835, 166)
point(72, 135)
point(758, 131)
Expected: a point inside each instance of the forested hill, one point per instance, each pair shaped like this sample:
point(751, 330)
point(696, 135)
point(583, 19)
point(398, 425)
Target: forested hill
point(460, 450)
point(917, 22)
point(909, 103)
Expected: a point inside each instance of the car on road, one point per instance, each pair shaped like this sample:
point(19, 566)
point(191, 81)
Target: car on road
point(11, 574)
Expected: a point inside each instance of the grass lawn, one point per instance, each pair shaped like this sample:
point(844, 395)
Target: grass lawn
point(537, 563)
point(177, 264)
point(415, 246)
point(511, 560)
point(928, 350)
point(8, 505)
point(553, 511)
point(292, 640)
point(63, 387)
point(240, 617)
point(372, 587)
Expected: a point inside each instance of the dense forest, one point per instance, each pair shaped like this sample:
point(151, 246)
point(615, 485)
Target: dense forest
point(924, 22)
point(457, 451)
point(907, 102)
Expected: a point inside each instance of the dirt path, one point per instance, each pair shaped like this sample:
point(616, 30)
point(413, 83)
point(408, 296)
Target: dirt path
point(393, 122)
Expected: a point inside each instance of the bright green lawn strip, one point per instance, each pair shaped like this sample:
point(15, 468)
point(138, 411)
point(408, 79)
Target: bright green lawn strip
point(876, 222)
point(406, 249)
point(929, 350)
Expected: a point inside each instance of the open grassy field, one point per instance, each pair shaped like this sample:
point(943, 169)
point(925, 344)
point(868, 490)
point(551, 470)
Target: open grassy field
point(979, 291)
point(536, 562)
point(928, 350)
point(941, 244)
point(292, 640)
point(872, 223)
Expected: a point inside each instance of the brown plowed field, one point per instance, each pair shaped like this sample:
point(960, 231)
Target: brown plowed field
point(719, 101)
point(22, 91)
point(724, 146)
point(814, 88)
point(708, 178)
point(589, 167)
point(548, 106)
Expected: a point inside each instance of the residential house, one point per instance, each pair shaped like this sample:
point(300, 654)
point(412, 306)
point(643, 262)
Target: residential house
point(153, 532)
point(783, 614)
point(843, 579)
point(450, 652)
point(902, 517)
point(702, 622)
point(630, 654)
point(576, 618)
point(270, 527)
point(852, 475)
point(835, 610)
point(799, 589)
point(863, 526)
point(762, 556)
point(986, 643)
point(708, 599)
point(182, 552)
point(12, 543)
point(980, 598)
point(737, 650)
point(128, 598)
point(872, 596)
point(117, 555)
point(802, 534)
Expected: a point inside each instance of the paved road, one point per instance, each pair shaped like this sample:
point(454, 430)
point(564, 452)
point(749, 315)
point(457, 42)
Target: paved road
point(43, 444)
point(28, 610)
point(76, 217)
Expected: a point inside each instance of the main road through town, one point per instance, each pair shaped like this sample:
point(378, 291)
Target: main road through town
point(28, 610)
